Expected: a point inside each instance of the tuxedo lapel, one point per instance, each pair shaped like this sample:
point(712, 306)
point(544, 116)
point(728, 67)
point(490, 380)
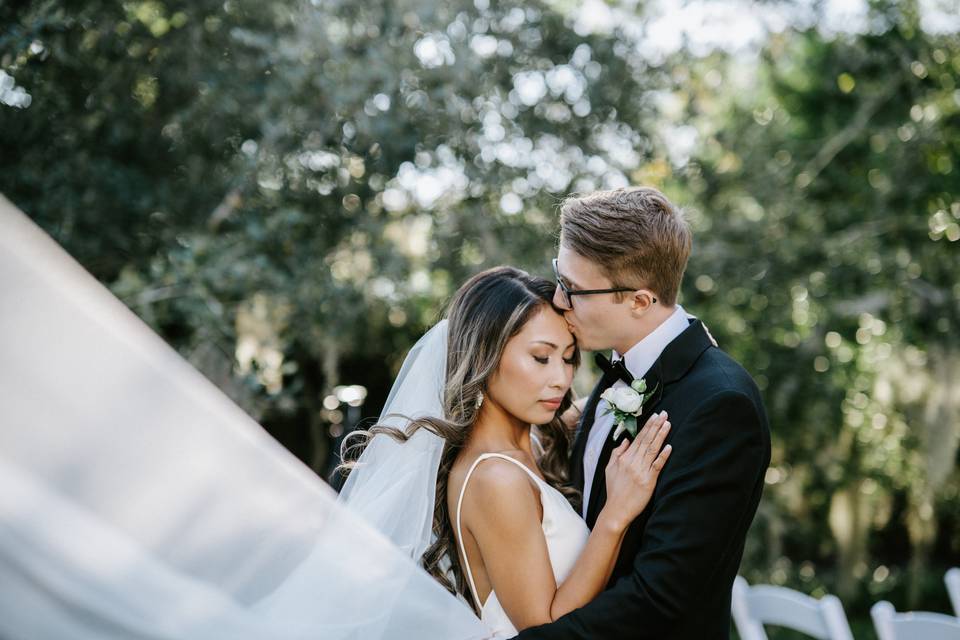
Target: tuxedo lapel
point(677, 358)
point(598, 492)
point(586, 422)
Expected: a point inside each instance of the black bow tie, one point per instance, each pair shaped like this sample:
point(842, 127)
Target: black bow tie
point(613, 370)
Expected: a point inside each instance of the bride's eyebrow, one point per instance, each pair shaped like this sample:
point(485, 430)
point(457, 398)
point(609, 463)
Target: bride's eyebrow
point(550, 344)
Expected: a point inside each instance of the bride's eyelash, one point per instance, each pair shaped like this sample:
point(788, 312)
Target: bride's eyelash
point(547, 359)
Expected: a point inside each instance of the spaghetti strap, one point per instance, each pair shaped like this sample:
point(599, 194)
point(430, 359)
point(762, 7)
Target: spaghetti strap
point(463, 550)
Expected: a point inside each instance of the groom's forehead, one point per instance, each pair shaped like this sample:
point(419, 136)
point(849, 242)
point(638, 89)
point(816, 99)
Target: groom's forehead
point(575, 268)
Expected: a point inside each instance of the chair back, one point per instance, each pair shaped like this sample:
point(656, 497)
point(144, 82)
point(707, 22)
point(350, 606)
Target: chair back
point(755, 606)
point(953, 588)
point(915, 625)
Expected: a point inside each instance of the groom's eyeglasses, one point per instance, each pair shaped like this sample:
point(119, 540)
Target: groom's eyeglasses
point(568, 293)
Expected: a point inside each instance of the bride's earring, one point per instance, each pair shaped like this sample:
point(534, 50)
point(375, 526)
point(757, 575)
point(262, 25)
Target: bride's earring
point(479, 399)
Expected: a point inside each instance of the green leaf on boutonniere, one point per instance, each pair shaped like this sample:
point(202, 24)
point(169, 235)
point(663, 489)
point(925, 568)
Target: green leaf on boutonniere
point(630, 424)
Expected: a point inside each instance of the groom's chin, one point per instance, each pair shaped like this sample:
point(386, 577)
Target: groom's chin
point(583, 342)
point(588, 345)
point(584, 345)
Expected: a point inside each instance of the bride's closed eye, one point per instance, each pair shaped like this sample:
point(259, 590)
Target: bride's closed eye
point(546, 360)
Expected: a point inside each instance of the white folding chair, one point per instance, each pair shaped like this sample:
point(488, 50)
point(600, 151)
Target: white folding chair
point(915, 625)
point(953, 588)
point(753, 607)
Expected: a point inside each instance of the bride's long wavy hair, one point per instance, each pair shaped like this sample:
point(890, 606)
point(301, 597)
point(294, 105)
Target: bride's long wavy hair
point(488, 310)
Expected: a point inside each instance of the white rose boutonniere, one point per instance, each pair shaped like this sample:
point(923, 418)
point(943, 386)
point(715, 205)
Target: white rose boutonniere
point(626, 405)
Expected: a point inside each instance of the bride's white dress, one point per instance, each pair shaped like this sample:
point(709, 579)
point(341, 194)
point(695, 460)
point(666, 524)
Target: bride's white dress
point(566, 535)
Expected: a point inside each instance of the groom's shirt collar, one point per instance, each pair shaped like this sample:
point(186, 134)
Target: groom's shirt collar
point(642, 355)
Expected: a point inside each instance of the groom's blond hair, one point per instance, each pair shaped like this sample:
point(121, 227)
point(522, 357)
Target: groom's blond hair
point(635, 235)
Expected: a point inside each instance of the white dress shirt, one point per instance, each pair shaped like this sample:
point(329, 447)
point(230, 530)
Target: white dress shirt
point(638, 361)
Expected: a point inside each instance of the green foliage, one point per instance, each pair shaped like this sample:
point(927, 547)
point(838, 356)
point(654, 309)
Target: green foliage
point(343, 166)
point(826, 201)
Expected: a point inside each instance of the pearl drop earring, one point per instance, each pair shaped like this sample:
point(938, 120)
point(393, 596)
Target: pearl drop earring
point(479, 399)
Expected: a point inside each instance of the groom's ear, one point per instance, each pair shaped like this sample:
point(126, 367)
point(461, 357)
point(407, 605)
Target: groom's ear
point(641, 300)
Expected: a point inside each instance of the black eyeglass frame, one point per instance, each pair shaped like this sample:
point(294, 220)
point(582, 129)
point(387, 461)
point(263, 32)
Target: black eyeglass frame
point(568, 293)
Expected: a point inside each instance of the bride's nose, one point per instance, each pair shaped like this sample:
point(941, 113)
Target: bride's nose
point(560, 378)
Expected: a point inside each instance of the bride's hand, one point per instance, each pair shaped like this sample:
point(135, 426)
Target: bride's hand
point(633, 470)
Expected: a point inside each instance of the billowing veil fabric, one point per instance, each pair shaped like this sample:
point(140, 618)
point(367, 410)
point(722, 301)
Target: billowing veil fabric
point(137, 501)
point(394, 484)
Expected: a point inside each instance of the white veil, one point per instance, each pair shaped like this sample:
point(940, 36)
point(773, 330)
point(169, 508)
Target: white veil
point(137, 501)
point(394, 484)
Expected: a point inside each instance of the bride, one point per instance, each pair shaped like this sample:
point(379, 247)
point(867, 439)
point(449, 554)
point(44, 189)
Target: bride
point(139, 502)
point(503, 533)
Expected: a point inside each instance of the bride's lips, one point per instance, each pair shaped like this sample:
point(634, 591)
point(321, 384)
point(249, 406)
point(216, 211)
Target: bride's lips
point(553, 404)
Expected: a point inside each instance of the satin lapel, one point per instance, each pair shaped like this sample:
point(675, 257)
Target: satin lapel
point(598, 492)
point(580, 442)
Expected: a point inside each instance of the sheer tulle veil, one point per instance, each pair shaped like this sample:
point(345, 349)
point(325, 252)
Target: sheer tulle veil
point(137, 501)
point(393, 485)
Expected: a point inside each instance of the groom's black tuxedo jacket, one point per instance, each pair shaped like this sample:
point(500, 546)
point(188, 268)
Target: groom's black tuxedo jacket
point(676, 567)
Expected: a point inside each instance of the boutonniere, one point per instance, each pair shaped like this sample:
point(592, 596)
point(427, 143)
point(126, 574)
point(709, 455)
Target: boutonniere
point(626, 405)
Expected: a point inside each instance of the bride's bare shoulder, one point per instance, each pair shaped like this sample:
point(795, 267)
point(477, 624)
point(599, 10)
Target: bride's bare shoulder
point(495, 483)
point(493, 468)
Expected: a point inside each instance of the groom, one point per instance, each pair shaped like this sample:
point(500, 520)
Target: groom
point(621, 259)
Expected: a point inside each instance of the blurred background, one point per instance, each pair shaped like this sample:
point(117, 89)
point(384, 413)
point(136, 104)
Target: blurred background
point(289, 192)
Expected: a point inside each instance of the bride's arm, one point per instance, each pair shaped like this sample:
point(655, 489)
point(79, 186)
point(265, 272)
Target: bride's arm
point(505, 519)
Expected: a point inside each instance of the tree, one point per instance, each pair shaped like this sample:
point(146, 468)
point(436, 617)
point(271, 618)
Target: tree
point(302, 186)
point(827, 212)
